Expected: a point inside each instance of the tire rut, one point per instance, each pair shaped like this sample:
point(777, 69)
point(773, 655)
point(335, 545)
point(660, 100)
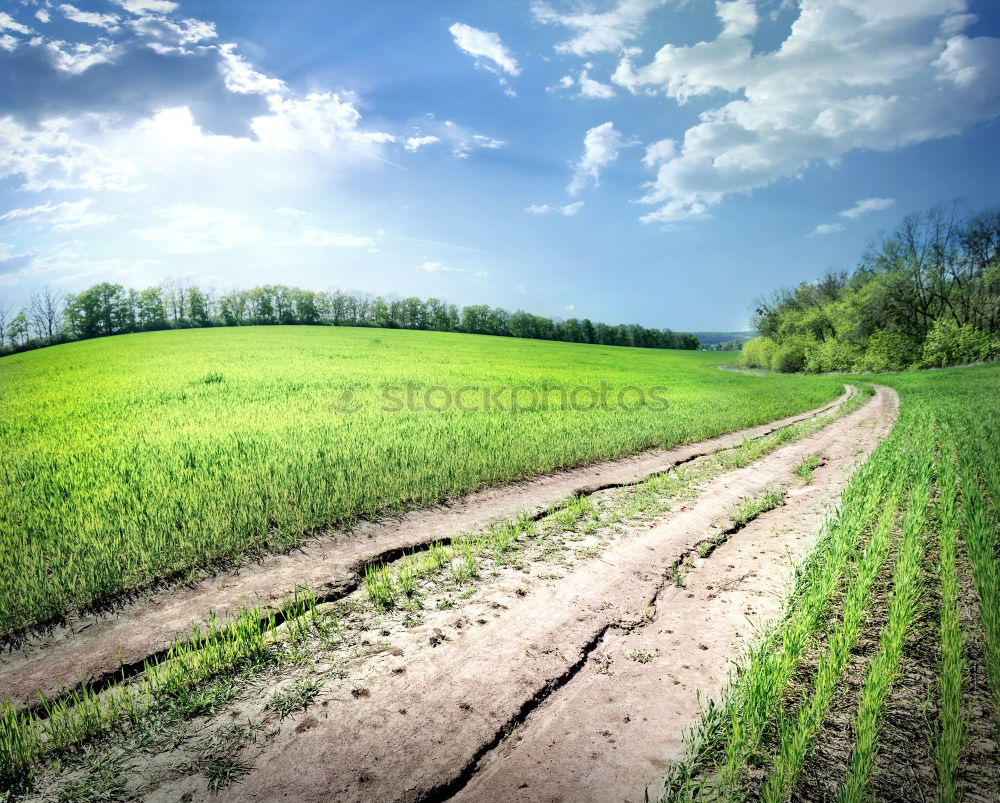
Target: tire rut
point(519, 707)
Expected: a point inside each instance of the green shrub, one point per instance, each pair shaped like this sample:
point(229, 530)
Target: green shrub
point(757, 352)
point(789, 358)
point(831, 355)
point(948, 343)
point(889, 351)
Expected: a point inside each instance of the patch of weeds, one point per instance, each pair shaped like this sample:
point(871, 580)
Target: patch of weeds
point(706, 547)
point(106, 782)
point(223, 772)
point(641, 656)
point(445, 604)
point(295, 698)
point(805, 469)
point(755, 505)
point(380, 587)
point(219, 756)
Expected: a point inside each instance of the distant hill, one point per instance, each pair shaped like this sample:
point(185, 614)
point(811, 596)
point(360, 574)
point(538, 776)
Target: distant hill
point(714, 338)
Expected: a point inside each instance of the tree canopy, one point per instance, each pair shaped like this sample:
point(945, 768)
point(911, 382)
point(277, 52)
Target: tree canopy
point(925, 295)
point(109, 309)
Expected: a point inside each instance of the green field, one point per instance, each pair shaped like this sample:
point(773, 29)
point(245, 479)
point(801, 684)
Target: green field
point(137, 457)
point(917, 518)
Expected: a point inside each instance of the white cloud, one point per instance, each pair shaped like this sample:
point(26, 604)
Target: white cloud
point(80, 57)
point(600, 148)
point(60, 217)
point(107, 21)
point(659, 152)
point(851, 74)
point(867, 205)
point(8, 23)
point(42, 15)
point(55, 157)
point(738, 18)
point(827, 228)
point(240, 77)
point(595, 33)
point(463, 142)
point(322, 122)
point(147, 6)
point(589, 88)
point(192, 228)
point(569, 210)
point(485, 45)
point(166, 36)
point(290, 211)
point(416, 143)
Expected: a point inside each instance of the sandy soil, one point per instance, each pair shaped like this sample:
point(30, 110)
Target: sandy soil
point(579, 688)
point(92, 647)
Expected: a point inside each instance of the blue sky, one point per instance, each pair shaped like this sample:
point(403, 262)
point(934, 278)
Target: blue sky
point(650, 161)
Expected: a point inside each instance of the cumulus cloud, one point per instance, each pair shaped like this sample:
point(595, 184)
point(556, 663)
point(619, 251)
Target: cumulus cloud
point(863, 207)
point(240, 77)
point(603, 32)
point(589, 88)
point(8, 23)
point(600, 148)
point(416, 143)
point(851, 74)
point(485, 45)
point(659, 152)
point(107, 21)
point(569, 210)
point(147, 6)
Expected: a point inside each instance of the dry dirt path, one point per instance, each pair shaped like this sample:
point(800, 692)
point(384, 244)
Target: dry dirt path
point(553, 699)
point(92, 647)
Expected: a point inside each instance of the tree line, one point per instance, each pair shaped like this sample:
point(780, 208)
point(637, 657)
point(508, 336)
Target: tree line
point(110, 309)
point(925, 295)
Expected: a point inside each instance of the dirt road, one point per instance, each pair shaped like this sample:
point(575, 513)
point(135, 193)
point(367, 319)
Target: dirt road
point(578, 688)
point(93, 647)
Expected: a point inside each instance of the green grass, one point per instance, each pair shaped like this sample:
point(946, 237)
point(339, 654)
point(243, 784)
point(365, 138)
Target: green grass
point(754, 506)
point(138, 457)
point(804, 470)
point(953, 728)
point(171, 682)
point(943, 460)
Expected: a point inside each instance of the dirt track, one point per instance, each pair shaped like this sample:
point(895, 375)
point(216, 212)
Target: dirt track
point(549, 699)
point(93, 646)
